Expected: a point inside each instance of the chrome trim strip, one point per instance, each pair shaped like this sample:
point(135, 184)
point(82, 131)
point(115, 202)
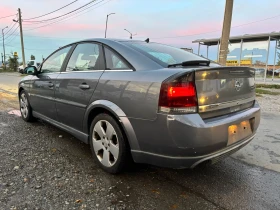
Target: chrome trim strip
point(223, 152)
point(91, 71)
point(88, 71)
point(212, 107)
point(119, 70)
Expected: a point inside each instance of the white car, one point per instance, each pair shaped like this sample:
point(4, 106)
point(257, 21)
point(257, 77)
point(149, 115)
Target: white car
point(29, 63)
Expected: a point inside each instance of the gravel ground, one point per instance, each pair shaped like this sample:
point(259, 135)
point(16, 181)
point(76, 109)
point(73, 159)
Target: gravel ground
point(269, 103)
point(8, 100)
point(38, 172)
point(45, 168)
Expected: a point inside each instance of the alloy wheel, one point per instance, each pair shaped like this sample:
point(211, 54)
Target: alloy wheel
point(23, 105)
point(105, 143)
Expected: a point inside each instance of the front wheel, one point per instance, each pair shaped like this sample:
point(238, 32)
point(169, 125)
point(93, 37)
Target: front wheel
point(108, 145)
point(25, 108)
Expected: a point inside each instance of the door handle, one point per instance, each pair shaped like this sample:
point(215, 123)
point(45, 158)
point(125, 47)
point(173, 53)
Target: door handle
point(50, 84)
point(84, 86)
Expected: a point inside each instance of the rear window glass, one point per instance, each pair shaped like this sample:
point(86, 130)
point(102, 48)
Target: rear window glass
point(163, 54)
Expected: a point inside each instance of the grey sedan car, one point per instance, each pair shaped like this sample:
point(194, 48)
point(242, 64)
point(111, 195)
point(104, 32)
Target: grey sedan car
point(143, 102)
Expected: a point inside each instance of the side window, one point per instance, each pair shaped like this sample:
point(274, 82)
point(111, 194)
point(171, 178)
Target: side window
point(113, 61)
point(86, 56)
point(54, 63)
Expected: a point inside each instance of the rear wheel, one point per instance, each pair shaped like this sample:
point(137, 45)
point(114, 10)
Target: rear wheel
point(25, 108)
point(109, 148)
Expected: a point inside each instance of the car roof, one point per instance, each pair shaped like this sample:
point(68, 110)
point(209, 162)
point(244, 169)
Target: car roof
point(135, 58)
point(107, 40)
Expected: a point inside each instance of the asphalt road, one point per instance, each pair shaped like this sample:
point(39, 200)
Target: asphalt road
point(44, 168)
point(9, 81)
point(260, 80)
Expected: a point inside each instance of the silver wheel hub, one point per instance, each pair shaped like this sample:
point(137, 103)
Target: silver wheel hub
point(23, 105)
point(105, 143)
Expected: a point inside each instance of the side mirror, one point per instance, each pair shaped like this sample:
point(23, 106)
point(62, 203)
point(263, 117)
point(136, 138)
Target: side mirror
point(31, 70)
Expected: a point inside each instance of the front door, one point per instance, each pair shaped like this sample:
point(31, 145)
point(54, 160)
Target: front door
point(42, 87)
point(77, 83)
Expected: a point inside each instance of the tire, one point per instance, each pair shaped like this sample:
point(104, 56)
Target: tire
point(25, 108)
point(109, 147)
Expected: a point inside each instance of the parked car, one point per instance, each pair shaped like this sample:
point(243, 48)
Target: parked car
point(29, 63)
point(151, 102)
point(259, 71)
point(277, 72)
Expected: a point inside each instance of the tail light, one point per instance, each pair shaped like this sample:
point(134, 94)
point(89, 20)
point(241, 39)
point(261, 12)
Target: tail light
point(178, 95)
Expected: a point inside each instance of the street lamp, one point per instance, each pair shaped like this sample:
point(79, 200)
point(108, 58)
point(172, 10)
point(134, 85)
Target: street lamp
point(130, 33)
point(4, 47)
point(107, 22)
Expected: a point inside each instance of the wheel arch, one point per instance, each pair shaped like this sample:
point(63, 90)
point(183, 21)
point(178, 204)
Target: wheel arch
point(19, 90)
point(104, 106)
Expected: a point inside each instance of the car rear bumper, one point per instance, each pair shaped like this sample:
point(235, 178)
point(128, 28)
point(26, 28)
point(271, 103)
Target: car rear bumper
point(189, 162)
point(184, 141)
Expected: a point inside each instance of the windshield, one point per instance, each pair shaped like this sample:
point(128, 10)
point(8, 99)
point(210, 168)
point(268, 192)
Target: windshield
point(163, 54)
point(31, 63)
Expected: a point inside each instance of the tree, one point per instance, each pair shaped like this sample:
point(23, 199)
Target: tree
point(278, 62)
point(32, 57)
point(13, 62)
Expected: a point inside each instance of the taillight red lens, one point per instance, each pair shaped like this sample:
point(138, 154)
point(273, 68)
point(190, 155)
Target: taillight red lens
point(179, 96)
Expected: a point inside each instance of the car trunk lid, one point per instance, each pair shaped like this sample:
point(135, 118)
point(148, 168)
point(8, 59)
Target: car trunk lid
point(224, 90)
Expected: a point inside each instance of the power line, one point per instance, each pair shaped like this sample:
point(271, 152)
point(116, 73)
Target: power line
point(10, 28)
point(152, 37)
point(11, 33)
point(70, 17)
point(208, 32)
point(12, 39)
point(8, 16)
point(63, 14)
point(52, 11)
point(257, 21)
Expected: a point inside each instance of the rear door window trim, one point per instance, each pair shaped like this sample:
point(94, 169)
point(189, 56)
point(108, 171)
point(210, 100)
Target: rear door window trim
point(63, 70)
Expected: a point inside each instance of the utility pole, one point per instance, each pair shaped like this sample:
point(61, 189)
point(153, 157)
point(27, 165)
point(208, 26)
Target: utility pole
point(225, 32)
point(4, 47)
point(21, 37)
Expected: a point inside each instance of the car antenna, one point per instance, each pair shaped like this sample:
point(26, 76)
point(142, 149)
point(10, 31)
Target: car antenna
point(147, 40)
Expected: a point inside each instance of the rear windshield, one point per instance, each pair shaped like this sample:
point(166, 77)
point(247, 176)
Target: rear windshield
point(163, 54)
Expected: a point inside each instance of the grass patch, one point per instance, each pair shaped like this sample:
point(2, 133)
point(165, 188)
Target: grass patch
point(259, 95)
point(267, 86)
point(6, 71)
point(261, 91)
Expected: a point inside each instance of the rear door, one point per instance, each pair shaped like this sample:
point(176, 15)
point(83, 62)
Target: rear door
point(76, 84)
point(224, 90)
point(43, 85)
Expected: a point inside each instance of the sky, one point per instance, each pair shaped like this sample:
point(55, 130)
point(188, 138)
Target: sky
point(173, 22)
